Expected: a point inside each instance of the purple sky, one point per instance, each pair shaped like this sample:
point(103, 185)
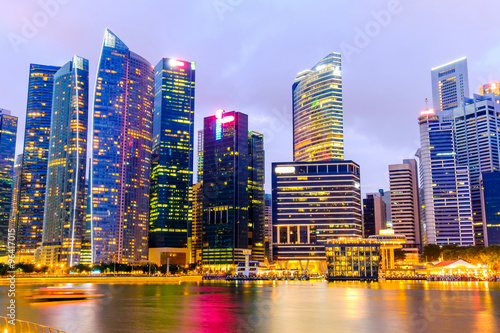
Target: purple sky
point(248, 53)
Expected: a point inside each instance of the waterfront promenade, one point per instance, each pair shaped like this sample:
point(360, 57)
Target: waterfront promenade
point(102, 279)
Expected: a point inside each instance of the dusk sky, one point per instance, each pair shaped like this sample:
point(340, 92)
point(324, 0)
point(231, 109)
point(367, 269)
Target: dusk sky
point(248, 53)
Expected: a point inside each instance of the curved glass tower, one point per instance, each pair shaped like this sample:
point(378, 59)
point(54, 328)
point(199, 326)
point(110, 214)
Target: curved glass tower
point(318, 124)
point(121, 157)
point(65, 195)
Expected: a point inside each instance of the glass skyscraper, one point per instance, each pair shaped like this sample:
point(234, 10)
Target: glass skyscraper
point(313, 202)
point(447, 211)
point(450, 84)
point(8, 131)
point(64, 214)
point(172, 166)
point(232, 184)
point(35, 159)
point(16, 184)
point(490, 198)
point(121, 157)
point(318, 122)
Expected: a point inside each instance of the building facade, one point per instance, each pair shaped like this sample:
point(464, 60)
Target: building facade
point(256, 211)
point(172, 166)
point(199, 162)
point(197, 223)
point(16, 185)
point(121, 158)
point(447, 210)
point(490, 199)
point(318, 122)
point(405, 206)
point(8, 132)
point(64, 214)
point(35, 161)
point(313, 202)
point(374, 213)
point(450, 84)
point(268, 226)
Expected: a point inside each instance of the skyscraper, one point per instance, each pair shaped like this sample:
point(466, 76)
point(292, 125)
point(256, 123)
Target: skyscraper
point(374, 214)
point(318, 125)
point(477, 131)
point(405, 208)
point(64, 214)
point(121, 162)
point(16, 184)
point(490, 199)
point(200, 156)
point(35, 161)
point(447, 212)
point(313, 202)
point(8, 131)
point(232, 186)
point(197, 223)
point(268, 225)
point(172, 166)
point(450, 84)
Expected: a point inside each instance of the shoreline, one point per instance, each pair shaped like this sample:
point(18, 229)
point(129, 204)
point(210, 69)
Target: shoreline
point(102, 279)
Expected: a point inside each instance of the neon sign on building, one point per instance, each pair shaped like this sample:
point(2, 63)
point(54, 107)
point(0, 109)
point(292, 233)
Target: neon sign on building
point(219, 121)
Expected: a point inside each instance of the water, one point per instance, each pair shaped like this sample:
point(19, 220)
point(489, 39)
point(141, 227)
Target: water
point(392, 306)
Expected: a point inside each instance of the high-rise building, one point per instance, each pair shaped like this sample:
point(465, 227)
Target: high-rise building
point(477, 140)
point(490, 88)
point(64, 214)
point(16, 184)
point(35, 161)
point(8, 131)
point(450, 84)
point(197, 223)
point(256, 213)
point(172, 162)
point(318, 123)
point(232, 176)
point(386, 198)
point(447, 211)
point(200, 156)
point(121, 158)
point(405, 207)
point(268, 226)
point(313, 202)
point(490, 199)
point(374, 214)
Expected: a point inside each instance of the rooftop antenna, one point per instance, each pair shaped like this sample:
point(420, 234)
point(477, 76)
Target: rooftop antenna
point(426, 103)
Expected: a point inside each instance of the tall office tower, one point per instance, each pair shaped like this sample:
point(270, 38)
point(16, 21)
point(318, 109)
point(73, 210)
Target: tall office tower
point(268, 226)
point(16, 184)
point(447, 212)
point(121, 158)
point(197, 223)
point(232, 197)
point(200, 156)
point(386, 198)
point(477, 131)
point(256, 214)
point(490, 88)
point(172, 166)
point(86, 249)
point(313, 202)
point(35, 161)
point(490, 200)
point(318, 121)
point(374, 214)
point(450, 84)
point(64, 214)
point(8, 131)
point(405, 207)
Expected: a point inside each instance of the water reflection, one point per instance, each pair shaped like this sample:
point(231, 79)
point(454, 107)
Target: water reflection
point(392, 306)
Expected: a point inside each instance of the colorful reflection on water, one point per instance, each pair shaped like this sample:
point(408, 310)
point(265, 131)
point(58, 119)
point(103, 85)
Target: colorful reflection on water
point(392, 306)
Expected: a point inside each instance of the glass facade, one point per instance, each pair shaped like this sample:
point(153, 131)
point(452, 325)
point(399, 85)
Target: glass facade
point(121, 157)
point(172, 166)
point(450, 84)
point(352, 259)
point(490, 195)
point(64, 215)
point(233, 197)
point(314, 202)
point(8, 131)
point(447, 211)
point(16, 184)
point(35, 160)
point(318, 121)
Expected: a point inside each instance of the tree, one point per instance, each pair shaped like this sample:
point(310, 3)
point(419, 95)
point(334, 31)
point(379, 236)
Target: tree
point(399, 255)
point(431, 252)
